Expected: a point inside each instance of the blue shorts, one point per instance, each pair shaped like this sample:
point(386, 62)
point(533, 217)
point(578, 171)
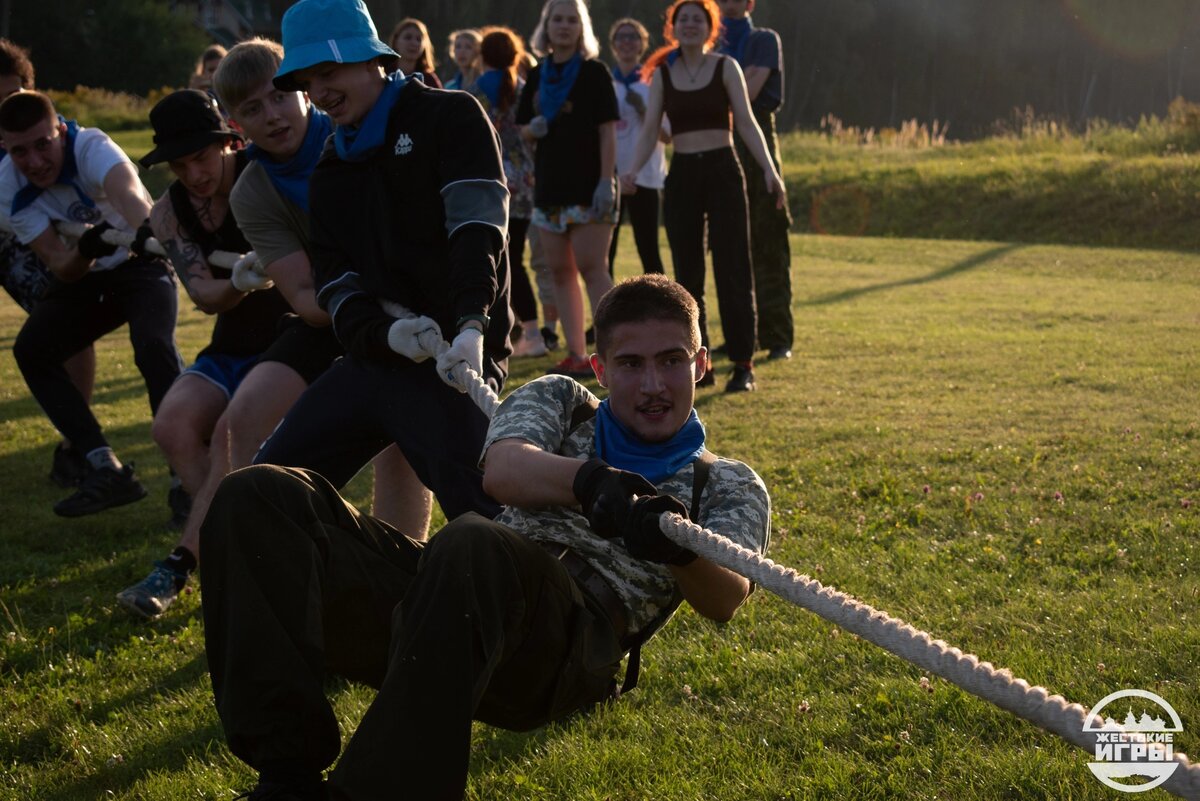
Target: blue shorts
point(223, 370)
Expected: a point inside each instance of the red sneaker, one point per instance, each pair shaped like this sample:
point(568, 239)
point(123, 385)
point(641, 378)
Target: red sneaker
point(574, 367)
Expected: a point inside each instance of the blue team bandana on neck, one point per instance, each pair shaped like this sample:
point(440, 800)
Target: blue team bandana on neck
point(27, 194)
point(291, 177)
point(557, 82)
point(656, 461)
point(628, 80)
point(489, 83)
point(360, 142)
point(734, 35)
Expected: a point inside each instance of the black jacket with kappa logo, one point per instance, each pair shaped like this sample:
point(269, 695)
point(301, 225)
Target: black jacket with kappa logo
point(423, 222)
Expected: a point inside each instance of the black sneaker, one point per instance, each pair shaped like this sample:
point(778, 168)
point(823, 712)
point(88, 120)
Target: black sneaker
point(781, 353)
point(101, 489)
point(180, 504)
point(550, 337)
point(68, 466)
point(742, 380)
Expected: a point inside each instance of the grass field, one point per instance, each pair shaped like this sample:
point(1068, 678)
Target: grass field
point(996, 442)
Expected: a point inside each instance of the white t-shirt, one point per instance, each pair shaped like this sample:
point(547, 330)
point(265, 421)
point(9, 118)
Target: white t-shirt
point(629, 127)
point(95, 155)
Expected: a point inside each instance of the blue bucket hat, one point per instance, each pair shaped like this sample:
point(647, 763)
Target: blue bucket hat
point(315, 31)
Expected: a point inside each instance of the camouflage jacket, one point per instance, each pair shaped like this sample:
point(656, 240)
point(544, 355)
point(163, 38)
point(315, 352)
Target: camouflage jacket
point(734, 502)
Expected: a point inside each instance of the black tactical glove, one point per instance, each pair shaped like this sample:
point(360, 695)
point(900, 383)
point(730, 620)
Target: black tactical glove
point(606, 495)
point(643, 535)
point(144, 232)
point(91, 246)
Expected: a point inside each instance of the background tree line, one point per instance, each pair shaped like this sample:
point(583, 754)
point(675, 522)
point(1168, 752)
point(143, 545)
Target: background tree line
point(871, 63)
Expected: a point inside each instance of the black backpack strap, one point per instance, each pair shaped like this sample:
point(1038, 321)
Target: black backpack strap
point(701, 469)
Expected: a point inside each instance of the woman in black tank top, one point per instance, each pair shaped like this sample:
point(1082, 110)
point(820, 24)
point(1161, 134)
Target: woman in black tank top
point(704, 96)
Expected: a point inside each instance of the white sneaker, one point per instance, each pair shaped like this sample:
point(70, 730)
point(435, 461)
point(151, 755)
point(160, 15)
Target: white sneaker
point(530, 345)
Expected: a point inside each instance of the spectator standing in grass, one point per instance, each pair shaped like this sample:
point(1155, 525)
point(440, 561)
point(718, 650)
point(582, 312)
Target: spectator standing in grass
point(760, 54)
point(27, 280)
point(464, 51)
point(206, 67)
point(641, 198)
point(570, 109)
point(704, 96)
point(410, 40)
point(57, 171)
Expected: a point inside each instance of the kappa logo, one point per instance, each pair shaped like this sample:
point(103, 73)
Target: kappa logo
point(404, 145)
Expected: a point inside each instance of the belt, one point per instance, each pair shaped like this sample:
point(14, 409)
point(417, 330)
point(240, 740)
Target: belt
point(595, 587)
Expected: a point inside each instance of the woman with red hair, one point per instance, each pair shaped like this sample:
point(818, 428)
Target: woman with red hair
point(704, 95)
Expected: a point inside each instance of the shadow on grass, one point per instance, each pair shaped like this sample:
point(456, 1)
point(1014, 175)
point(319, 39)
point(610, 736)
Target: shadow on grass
point(107, 391)
point(978, 260)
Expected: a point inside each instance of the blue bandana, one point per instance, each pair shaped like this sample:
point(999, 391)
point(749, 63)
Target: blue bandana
point(27, 194)
point(628, 80)
point(291, 177)
point(456, 82)
point(734, 35)
point(656, 461)
point(557, 82)
point(359, 142)
point(489, 83)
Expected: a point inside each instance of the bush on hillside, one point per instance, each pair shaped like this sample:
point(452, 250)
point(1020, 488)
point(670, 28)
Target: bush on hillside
point(108, 111)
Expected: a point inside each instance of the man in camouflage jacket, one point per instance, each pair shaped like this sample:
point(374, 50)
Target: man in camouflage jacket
point(515, 622)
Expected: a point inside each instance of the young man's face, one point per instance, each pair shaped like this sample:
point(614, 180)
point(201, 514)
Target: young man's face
point(345, 92)
point(274, 120)
point(201, 172)
point(651, 376)
point(735, 9)
point(37, 152)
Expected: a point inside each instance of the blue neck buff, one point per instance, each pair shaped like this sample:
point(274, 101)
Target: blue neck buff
point(557, 82)
point(657, 461)
point(291, 177)
point(360, 142)
point(734, 35)
point(27, 194)
point(635, 76)
point(489, 83)
point(673, 56)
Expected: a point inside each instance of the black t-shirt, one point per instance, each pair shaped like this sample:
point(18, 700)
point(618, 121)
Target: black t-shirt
point(567, 160)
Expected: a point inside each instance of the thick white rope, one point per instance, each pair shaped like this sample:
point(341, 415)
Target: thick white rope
point(218, 258)
point(1034, 703)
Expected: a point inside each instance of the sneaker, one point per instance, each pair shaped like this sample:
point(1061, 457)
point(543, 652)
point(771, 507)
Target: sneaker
point(573, 366)
point(102, 488)
point(742, 380)
point(151, 596)
point(530, 345)
point(68, 466)
point(781, 353)
point(549, 337)
point(180, 504)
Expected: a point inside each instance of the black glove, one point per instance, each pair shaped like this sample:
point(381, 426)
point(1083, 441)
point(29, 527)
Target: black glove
point(91, 246)
point(643, 535)
point(606, 495)
point(144, 232)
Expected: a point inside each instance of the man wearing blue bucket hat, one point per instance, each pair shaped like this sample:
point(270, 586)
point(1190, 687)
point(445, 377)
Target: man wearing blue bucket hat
point(408, 206)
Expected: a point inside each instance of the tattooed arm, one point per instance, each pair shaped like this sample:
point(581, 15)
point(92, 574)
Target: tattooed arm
point(211, 295)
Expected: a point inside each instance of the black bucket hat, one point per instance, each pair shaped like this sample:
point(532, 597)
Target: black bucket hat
point(184, 122)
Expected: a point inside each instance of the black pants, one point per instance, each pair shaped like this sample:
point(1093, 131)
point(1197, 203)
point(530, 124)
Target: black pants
point(642, 210)
point(770, 250)
point(523, 303)
point(481, 623)
point(140, 292)
point(710, 186)
point(356, 409)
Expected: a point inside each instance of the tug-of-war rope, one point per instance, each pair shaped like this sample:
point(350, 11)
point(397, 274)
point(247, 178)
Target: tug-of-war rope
point(997, 685)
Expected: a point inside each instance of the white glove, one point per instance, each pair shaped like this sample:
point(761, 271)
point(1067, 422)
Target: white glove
point(246, 276)
point(404, 337)
point(539, 127)
point(604, 198)
point(467, 347)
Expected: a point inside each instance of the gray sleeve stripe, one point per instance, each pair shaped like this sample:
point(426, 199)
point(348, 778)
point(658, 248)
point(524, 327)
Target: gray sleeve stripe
point(347, 280)
point(477, 201)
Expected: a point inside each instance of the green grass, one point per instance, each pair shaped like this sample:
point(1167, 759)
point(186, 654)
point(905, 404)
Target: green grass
point(992, 441)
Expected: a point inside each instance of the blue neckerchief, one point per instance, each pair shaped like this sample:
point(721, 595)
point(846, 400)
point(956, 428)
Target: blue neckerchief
point(489, 84)
point(656, 461)
point(734, 35)
point(629, 80)
point(359, 142)
point(291, 177)
point(557, 82)
point(27, 194)
point(456, 82)
point(673, 56)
